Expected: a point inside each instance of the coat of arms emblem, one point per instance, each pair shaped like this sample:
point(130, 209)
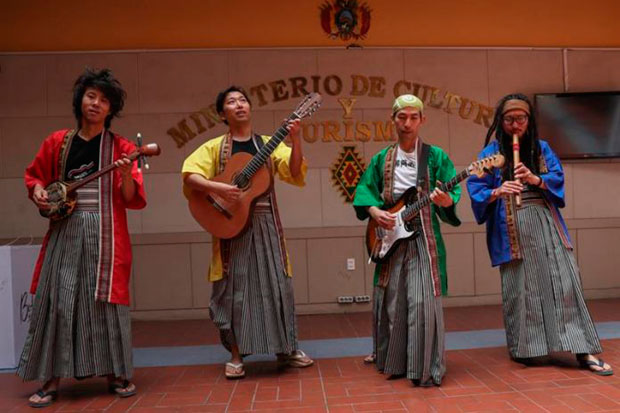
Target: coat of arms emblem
point(345, 19)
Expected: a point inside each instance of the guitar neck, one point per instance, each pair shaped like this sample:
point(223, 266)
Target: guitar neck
point(412, 210)
point(267, 149)
point(75, 185)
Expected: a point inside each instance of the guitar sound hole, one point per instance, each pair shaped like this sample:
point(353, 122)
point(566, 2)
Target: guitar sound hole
point(241, 181)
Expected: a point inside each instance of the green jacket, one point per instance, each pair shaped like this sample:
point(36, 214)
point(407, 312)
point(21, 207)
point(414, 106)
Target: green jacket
point(372, 191)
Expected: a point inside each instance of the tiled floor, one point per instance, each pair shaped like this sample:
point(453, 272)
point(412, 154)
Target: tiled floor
point(478, 380)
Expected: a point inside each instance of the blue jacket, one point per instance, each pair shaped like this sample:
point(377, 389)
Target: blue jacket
point(502, 242)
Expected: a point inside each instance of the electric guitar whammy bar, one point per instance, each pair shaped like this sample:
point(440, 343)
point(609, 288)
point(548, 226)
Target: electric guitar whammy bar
point(381, 242)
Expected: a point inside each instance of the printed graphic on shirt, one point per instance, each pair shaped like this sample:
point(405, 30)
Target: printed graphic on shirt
point(405, 163)
point(405, 171)
point(83, 158)
point(82, 171)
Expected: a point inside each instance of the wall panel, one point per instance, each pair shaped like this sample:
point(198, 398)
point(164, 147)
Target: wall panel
point(167, 88)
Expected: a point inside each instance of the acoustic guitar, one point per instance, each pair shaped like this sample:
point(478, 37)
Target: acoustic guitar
point(381, 242)
point(61, 196)
point(225, 219)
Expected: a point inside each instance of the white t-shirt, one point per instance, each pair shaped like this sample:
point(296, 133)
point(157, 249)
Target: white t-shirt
point(405, 171)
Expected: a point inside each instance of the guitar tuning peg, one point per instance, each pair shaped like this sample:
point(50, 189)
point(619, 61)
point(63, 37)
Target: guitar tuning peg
point(140, 158)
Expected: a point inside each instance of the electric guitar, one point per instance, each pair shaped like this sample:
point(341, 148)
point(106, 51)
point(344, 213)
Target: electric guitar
point(381, 242)
point(225, 219)
point(61, 196)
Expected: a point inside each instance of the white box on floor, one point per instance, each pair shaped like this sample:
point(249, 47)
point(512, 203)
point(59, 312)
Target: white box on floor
point(16, 266)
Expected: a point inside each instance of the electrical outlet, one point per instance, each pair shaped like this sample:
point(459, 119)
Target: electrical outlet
point(345, 299)
point(350, 264)
point(362, 298)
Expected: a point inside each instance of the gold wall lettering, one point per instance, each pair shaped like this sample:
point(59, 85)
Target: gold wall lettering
point(347, 105)
point(347, 130)
point(448, 102)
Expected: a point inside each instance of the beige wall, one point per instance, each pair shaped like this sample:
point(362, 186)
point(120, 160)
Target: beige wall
point(171, 253)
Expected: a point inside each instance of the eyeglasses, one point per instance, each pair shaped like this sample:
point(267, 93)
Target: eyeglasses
point(519, 119)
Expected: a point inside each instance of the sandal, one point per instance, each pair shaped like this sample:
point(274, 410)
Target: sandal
point(591, 365)
point(234, 371)
point(296, 359)
point(122, 389)
point(370, 359)
point(53, 395)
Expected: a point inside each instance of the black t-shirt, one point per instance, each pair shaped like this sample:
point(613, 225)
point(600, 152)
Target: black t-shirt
point(83, 158)
point(246, 146)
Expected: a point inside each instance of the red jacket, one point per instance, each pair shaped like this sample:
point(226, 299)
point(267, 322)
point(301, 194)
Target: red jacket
point(44, 170)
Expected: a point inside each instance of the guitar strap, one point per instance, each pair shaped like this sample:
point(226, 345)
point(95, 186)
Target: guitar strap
point(423, 165)
point(258, 141)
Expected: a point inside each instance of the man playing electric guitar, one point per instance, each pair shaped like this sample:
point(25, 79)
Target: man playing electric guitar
point(252, 301)
point(408, 316)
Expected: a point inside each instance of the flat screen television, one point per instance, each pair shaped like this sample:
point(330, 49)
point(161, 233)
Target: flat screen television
point(580, 125)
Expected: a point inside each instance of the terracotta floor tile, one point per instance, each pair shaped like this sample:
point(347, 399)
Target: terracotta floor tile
point(478, 380)
point(487, 406)
point(148, 399)
point(212, 408)
point(101, 403)
point(341, 409)
point(378, 406)
point(168, 401)
point(264, 395)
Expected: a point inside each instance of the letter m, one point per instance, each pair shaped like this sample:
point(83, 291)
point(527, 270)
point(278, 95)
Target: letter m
point(181, 135)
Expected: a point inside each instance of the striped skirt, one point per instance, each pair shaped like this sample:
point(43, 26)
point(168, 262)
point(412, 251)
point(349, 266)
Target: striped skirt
point(70, 334)
point(408, 318)
point(543, 304)
point(254, 305)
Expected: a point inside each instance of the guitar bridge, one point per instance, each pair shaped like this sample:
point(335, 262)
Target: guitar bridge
point(217, 206)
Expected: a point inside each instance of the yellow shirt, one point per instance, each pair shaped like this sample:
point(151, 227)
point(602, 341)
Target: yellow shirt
point(205, 161)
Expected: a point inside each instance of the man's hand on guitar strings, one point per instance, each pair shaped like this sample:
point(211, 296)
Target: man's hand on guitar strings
point(39, 197)
point(441, 198)
point(229, 193)
point(385, 219)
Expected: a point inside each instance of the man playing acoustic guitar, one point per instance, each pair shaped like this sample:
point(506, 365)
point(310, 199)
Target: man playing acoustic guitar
point(252, 301)
point(80, 324)
point(407, 312)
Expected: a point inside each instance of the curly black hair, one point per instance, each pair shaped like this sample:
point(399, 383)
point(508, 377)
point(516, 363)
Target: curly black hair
point(104, 81)
point(529, 152)
point(219, 101)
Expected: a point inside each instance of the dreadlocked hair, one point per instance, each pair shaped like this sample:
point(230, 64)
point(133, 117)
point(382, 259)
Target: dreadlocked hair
point(529, 145)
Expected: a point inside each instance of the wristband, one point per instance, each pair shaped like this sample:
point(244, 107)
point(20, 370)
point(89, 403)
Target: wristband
point(541, 182)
